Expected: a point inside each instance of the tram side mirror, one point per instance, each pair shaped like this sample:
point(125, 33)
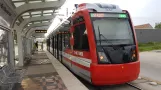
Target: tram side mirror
point(71, 29)
point(72, 41)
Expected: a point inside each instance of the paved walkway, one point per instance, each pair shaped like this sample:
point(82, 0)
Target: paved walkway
point(41, 75)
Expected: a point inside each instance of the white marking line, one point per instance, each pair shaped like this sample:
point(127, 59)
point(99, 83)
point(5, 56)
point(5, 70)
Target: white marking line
point(82, 61)
point(151, 80)
point(153, 83)
point(70, 81)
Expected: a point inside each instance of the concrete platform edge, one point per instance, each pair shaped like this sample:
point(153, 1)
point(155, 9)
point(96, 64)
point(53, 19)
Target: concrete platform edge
point(70, 81)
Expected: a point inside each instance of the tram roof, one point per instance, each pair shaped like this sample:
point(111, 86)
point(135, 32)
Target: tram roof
point(63, 26)
point(99, 7)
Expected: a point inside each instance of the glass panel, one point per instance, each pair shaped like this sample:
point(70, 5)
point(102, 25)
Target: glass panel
point(19, 4)
point(34, 1)
point(44, 21)
point(17, 0)
point(3, 47)
point(48, 11)
point(37, 12)
point(117, 31)
point(30, 23)
point(24, 17)
point(50, 0)
point(26, 14)
point(16, 49)
point(56, 11)
point(36, 22)
point(36, 15)
point(47, 14)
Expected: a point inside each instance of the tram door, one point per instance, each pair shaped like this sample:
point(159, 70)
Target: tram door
point(60, 46)
point(51, 49)
point(49, 45)
point(57, 47)
point(54, 46)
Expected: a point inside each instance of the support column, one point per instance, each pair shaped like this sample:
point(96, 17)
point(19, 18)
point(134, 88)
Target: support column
point(28, 46)
point(20, 49)
point(11, 48)
point(25, 41)
point(32, 44)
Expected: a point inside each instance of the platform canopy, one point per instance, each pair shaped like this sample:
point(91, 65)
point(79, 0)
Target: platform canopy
point(22, 14)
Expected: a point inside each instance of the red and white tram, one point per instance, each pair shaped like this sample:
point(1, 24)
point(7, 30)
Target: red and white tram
point(99, 44)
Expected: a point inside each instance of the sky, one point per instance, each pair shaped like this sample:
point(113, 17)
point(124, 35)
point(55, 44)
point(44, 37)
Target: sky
point(142, 11)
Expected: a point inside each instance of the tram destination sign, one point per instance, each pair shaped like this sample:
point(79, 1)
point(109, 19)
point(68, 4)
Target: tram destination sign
point(40, 31)
point(112, 15)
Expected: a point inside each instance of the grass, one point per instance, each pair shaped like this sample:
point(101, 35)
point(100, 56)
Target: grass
point(149, 46)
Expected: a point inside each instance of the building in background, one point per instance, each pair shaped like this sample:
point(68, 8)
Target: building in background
point(144, 26)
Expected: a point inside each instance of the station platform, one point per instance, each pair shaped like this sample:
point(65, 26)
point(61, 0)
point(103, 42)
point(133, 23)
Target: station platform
point(44, 72)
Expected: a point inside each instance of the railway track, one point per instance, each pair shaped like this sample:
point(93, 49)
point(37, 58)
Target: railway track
point(127, 86)
point(138, 88)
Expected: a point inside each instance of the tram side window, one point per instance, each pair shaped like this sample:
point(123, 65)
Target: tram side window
point(67, 40)
point(80, 37)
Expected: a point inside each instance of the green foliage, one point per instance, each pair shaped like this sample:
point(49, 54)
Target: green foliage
point(158, 25)
point(149, 46)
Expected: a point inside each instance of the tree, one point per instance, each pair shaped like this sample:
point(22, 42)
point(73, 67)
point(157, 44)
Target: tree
point(158, 25)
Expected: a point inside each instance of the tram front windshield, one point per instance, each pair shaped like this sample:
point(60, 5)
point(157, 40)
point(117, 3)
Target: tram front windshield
point(112, 31)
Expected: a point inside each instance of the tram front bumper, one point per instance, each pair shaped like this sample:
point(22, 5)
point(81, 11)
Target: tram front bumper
point(111, 74)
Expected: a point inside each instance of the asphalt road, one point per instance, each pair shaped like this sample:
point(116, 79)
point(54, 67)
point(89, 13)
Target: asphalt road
point(151, 65)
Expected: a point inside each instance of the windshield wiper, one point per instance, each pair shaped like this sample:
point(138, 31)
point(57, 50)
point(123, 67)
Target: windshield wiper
point(105, 38)
point(99, 35)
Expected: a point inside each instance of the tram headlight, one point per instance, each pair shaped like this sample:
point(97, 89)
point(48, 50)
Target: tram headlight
point(134, 56)
point(102, 57)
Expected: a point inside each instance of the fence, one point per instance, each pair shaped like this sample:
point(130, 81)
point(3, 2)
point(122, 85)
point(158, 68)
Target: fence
point(148, 35)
